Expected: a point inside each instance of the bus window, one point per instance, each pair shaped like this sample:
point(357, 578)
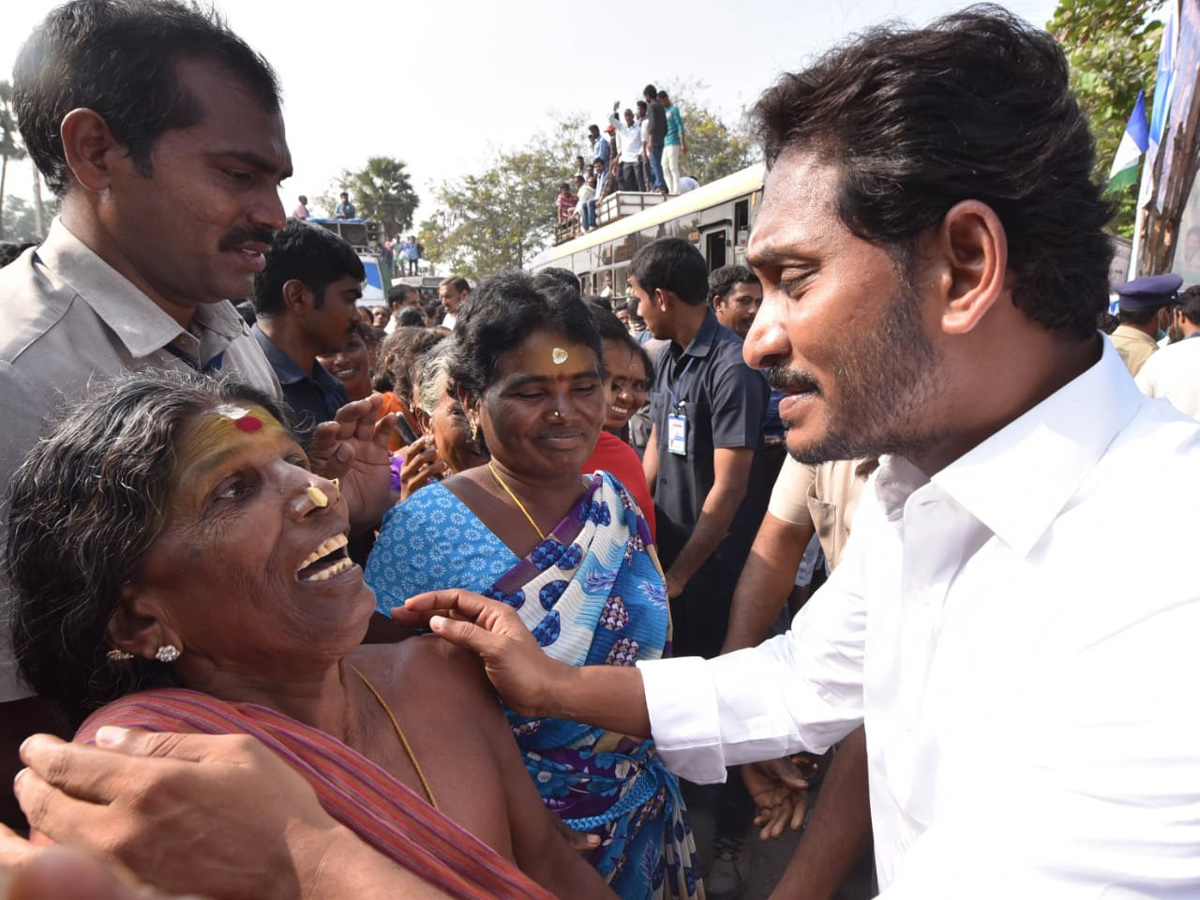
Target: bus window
point(741, 222)
point(714, 249)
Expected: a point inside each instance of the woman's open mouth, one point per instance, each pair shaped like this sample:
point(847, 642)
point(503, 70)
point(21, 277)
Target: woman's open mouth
point(326, 561)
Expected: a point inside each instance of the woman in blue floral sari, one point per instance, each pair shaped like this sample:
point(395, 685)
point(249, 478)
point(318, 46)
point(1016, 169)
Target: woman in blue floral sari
point(572, 555)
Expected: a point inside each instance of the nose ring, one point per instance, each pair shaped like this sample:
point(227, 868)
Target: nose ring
point(317, 496)
point(556, 414)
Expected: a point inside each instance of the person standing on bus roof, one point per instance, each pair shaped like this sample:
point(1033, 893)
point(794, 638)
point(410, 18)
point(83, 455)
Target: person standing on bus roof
point(658, 134)
point(301, 211)
point(600, 148)
point(629, 145)
point(643, 120)
point(345, 209)
point(674, 144)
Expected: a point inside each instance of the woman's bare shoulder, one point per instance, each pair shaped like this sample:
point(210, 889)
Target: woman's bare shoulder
point(427, 666)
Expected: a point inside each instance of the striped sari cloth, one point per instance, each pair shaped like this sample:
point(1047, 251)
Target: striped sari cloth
point(382, 811)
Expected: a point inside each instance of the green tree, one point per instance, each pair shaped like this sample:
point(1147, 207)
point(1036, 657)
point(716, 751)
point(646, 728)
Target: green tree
point(431, 235)
point(10, 145)
point(381, 191)
point(714, 149)
point(18, 222)
point(498, 220)
point(1112, 46)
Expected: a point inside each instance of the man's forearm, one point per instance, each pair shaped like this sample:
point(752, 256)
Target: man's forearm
point(766, 581)
point(838, 831)
point(609, 697)
point(715, 518)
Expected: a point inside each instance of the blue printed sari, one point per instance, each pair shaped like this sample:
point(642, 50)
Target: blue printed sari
point(592, 593)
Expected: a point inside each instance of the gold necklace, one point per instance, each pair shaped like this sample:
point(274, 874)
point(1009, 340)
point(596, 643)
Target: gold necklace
point(520, 505)
point(412, 758)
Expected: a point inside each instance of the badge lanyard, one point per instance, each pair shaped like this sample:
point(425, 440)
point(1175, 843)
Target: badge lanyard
point(677, 415)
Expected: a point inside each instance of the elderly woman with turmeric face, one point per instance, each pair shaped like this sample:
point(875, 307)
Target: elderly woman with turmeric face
point(179, 568)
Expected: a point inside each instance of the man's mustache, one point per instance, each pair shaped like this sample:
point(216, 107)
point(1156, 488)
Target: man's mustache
point(791, 381)
point(236, 237)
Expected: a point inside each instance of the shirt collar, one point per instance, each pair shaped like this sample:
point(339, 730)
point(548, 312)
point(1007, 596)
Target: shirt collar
point(137, 321)
point(703, 342)
point(1018, 481)
point(285, 367)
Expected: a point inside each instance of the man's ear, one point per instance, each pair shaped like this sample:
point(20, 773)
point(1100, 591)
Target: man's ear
point(968, 258)
point(137, 627)
point(663, 298)
point(90, 148)
point(296, 297)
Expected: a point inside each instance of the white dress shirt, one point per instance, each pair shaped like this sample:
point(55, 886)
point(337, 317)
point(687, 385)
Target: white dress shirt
point(629, 139)
point(1019, 635)
point(1174, 373)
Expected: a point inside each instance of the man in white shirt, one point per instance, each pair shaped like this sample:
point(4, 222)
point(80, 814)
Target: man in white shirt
point(629, 147)
point(1027, 702)
point(1174, 371)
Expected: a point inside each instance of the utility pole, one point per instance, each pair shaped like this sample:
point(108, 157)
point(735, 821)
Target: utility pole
point(37, 204)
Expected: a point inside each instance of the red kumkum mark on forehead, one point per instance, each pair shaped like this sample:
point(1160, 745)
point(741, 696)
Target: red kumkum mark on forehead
point(248, 422)
point(560, 377)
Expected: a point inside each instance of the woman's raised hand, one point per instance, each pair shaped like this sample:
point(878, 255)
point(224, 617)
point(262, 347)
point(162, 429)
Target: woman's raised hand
point(521, 673)
point(421, 465)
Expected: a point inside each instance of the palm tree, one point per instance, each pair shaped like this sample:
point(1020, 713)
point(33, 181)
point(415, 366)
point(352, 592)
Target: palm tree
point(10, 146)
point(383, 193)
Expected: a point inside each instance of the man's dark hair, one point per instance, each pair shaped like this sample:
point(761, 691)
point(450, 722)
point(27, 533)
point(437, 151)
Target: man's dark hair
point(315, 257)
point(663, 95)
point(672, 264)
point(1190, 303)
point(650, 92)
point(502, 314)
point(1138, 316)
point(411, 317)
point(593, 128)
point(84, 507)
point(459, 283)
point(722, 280)
point(976, 106)
point(558, 275)
point(399, 292)
point(118, 58)
point(641, 104)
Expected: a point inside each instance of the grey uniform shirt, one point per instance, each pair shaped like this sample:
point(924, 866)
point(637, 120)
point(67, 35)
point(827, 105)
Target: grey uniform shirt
point(67, 320)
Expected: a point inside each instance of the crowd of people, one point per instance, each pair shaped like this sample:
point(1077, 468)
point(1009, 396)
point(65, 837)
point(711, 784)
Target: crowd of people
point(639, 151)
point(474, 598)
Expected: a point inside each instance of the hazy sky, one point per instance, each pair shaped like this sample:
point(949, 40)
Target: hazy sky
point(443, 84)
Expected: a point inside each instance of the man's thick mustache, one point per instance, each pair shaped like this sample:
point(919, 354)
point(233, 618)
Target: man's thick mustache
point(789, 381)
point(236, 237)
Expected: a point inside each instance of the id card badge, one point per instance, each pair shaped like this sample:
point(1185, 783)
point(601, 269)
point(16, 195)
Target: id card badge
point(677, 433)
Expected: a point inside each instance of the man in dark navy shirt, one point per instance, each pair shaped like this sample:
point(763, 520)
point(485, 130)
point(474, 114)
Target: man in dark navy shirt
point(307, 304)
point(703, 461)
point(706, 469)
